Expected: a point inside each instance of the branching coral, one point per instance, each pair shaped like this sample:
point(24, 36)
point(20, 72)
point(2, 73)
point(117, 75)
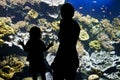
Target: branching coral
point(103, 37)
point(85, 20)
point(6, 20)
point(17, 2)
point(3, 3)
point(116, 22)
point(77, 15)
point(95, 29)
point(107, 46)
point(105, 23)
point(20, 24)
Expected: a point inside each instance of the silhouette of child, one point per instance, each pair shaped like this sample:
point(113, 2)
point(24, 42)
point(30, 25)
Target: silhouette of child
point(66, 61)
point(35, 48)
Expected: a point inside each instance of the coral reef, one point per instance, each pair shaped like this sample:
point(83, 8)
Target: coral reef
point(33, 14)
point(54, 2)
point(93, 77)
point(7, 72)
point(5, 29)
point(10, 65)
point(95, 44)
point(55, 25)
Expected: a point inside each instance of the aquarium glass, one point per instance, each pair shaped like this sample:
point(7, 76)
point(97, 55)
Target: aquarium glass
point(98, 45)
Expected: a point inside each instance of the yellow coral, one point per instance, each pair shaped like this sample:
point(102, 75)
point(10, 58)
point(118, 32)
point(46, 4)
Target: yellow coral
point(1, 41)
point(33, 14)
point(85, 20)
point(7, 72)
point(11, 65)
point(83, 35)
point(18, 66)
point(95, 44)
point(55, 25)
point(105, 23)
point(93, 77)
point(6, 20)
point(5, 30)
point(94, 20)
point(80, 48)
point(1, 23)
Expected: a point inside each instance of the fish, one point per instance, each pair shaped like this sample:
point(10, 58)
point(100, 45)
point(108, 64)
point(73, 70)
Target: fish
point(94, 1)
point(103, 11)
point(110, 13)
point(80, 7)
point(93, 9)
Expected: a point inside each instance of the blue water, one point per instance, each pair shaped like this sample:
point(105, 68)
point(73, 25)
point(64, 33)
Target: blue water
point(99, 9)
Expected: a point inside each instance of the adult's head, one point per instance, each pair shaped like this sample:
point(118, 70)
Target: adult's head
point(35, 33)
point(67, 11)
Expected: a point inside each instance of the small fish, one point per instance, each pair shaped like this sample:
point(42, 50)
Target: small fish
point(103, 5)
point(119, 16)
point(103, 11)
point(94, 1)
point(81, 7)
point(93, 9)
point(110, 13)
point(105, 8)
point(101, 8)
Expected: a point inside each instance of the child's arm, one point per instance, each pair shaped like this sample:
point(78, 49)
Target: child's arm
point(50, 44)
point(22, 44)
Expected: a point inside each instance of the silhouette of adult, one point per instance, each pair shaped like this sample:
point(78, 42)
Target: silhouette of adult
point(66, 61)
point(35, 48)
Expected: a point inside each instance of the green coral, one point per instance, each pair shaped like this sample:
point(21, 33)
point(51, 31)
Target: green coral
point(95, 44)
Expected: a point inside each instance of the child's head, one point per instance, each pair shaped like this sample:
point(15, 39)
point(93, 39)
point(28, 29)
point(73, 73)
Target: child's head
point(67, 11)
point(35, 33)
